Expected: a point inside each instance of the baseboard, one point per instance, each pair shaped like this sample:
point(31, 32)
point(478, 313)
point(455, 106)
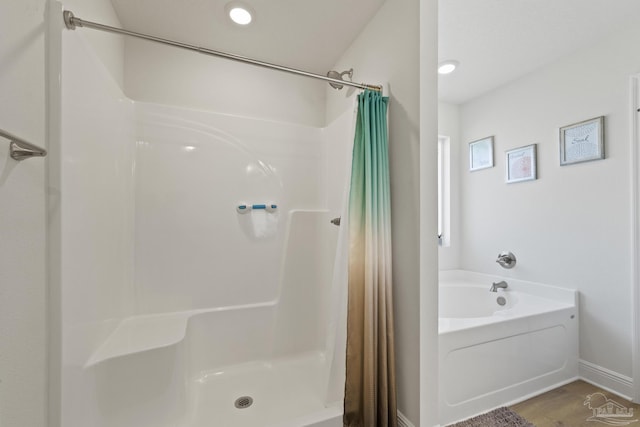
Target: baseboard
point(404, 421)
point(597, 375)
point(605, 378)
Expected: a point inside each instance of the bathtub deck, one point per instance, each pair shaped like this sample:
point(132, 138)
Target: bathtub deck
point(281, 390)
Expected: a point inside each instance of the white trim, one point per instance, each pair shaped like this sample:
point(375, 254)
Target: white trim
point(634, 84)
point(444, 190)
point(53, 68)
point(606, 379)
point(404, 421)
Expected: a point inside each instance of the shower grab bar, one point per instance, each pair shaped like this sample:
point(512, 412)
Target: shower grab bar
point(19, 149)
point(72, 22)
point(244, 208)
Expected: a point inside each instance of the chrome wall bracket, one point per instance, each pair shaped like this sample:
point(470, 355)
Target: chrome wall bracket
point(67, 15)
point(20, 149)
point(339, 76)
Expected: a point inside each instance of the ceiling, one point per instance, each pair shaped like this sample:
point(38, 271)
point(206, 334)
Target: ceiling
point(304, 34)
point(498, 41)
point(495, 41)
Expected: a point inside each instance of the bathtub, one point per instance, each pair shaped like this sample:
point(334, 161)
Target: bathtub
point(493, 354)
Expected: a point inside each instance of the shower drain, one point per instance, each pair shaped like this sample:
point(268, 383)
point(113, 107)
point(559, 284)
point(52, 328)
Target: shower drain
point(243, 402)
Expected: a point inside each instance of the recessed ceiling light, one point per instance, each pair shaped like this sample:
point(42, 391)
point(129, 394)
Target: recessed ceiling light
point(239, 13)
point(447, 67)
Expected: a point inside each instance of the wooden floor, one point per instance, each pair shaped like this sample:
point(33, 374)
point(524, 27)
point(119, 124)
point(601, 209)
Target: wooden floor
point(565, 406)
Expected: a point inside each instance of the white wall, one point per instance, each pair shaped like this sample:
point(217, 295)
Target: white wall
point(193, 250)
point(95, 205)
point(388, 51)
point(166, 75)
point(23, 349)
point(338, 135)
point(571, 227)
point(109, 47)
point(90, 224)
point(428, 214)
point(449, 125)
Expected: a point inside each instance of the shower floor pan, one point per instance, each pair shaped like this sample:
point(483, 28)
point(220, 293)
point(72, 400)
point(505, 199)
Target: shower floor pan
point(178, 370)
point(280, 393)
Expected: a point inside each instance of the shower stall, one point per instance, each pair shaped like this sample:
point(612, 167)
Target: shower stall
point(201, 280)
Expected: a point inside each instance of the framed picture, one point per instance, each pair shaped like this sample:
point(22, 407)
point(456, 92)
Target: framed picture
point(481, 154)
point(521, 164)
point(582, 142)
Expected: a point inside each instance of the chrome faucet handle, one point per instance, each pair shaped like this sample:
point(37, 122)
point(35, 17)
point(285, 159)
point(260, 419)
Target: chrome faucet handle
point(506, 260)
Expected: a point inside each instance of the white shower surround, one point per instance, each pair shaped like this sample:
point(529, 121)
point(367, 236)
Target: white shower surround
point(159, 185)
point(493, 355)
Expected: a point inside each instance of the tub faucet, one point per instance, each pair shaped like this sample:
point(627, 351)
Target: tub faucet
point(499, 285)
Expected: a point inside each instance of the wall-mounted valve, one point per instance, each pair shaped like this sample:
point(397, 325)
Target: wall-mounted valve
point(506, 260)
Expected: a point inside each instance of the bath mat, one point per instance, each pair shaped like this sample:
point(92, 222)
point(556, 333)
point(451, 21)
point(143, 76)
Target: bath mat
point(501, 417)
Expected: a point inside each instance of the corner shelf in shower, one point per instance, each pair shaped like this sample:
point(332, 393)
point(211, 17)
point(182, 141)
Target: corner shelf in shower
point(138, 334)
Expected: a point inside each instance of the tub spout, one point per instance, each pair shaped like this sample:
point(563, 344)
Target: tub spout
point(500, 285)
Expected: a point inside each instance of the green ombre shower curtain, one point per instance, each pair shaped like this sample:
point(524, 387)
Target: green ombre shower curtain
point(370, 387)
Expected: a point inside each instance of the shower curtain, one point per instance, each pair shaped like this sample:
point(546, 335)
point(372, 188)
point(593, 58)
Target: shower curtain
point(370, 386)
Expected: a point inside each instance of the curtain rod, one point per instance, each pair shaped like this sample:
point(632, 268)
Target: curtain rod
point(72, 22)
